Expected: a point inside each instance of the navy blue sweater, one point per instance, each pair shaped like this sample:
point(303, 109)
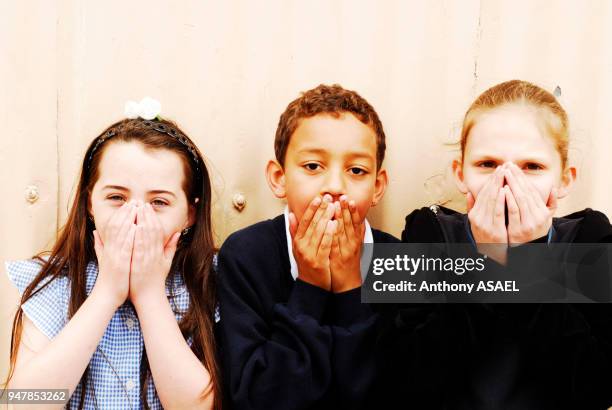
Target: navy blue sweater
point(286, 344)
point(497, 356)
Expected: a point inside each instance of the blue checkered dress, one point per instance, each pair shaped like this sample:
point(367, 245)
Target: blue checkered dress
point(114, 379)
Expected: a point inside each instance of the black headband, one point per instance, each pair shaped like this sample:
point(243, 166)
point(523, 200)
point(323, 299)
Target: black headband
point(157, 126)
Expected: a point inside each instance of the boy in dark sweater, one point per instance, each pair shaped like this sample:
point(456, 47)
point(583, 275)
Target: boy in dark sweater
point(293, 331)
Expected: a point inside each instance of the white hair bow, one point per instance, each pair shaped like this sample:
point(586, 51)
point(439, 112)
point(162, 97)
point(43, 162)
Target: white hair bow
point(147, 109)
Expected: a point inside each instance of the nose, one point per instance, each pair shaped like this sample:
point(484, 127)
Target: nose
point(334, 184)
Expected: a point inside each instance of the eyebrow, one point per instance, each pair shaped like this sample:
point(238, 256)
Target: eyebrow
point(485, 157)
point(360, 155)
point(122, 188)
point(320, 151)
point(312, 151)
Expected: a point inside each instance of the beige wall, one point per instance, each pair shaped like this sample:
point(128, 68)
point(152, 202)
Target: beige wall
point(226, 70)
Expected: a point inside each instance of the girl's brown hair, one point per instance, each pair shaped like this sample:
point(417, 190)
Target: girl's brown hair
point(522, 92)
point(74, 247)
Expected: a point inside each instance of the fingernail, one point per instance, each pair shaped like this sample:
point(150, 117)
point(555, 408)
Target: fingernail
point(327, 198)
point(343, 198)
point(317, 201)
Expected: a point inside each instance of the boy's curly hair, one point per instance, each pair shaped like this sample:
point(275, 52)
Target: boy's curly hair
point(327, 99)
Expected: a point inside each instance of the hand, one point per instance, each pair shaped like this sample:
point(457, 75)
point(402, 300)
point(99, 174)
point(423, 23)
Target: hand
point(114, 253)
point(486, 213)
point(487, 218)
point(345, 256)
point(529, 217)
point(151, 258)
point(312, 239)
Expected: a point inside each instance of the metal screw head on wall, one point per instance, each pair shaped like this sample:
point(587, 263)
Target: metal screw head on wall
point(239, 201)
point(31, 193)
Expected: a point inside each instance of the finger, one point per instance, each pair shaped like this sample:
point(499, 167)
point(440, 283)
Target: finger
point(157, 230)
point(535, 201)
point(127, 221)
point(312, 228)
point(358, 225)
point(307, 217)
point(140, 218)
point(514, 215)
point(319, 231)
point(139, 238)
point(356, 218)
point(139, 214)
point(486, 200)
point(141, 224)
point(480, 214)
point(499, 217)
point(336, 250)
point(522, 181)
point(346, 222)
point(170, 248)
point(139, 249)
point(326, 241)
point(493, 193)
point(149, 236)
point(519, 194)
point(121, 212)
point(480, 199)
point(129, 245)
point(540, 211)
point(484, 190)
point(293, 225)
point(114, 222)
point(339, 216)
point(122, 216)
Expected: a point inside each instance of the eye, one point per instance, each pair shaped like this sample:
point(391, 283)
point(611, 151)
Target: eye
point(158, 202)
point(532, 166)
point(487, 164)
point(312, 166)
point(116, 198)
point(357, 171)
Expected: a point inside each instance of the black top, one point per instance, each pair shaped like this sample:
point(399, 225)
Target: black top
point(286, 344)
point(497, 356)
